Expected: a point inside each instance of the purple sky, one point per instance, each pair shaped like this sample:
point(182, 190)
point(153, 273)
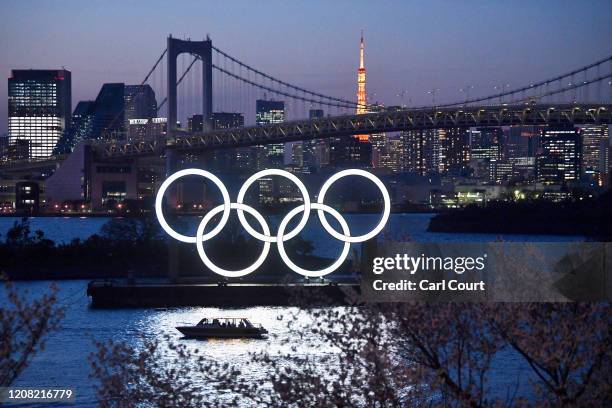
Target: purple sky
point(412, 46)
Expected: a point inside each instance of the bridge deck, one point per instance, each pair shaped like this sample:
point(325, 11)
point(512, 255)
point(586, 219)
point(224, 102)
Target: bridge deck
point(386, 121)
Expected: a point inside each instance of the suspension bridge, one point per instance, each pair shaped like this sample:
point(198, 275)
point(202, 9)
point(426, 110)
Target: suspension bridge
point(187, 74)
point(581, 96)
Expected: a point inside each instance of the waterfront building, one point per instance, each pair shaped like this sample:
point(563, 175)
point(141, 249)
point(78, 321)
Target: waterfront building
point(560, 158)
point(412, 154)
point(109, 119)
point(269, 112)
point(81, 125)
point(226, 120)
point(454, 152)
point(486, 143)
point(139, 129)
point(421, 151)
point(110, 114)
point(595, 157)
point(195, 123)
point(310, 148)
point(392, 155)
point(230, 159)
point(39, 108)
point(297, 155)
point(27, 197)
point(139, 102)
point(350, 152)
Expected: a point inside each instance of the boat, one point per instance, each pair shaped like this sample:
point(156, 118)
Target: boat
point(224, 327)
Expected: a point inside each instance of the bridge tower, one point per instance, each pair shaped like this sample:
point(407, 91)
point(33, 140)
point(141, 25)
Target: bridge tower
point(203, 49)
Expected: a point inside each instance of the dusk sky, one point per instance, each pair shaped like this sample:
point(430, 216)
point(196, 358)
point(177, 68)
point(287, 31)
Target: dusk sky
point(412, 46)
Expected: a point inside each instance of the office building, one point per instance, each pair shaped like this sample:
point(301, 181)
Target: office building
point(109, 114)
point(349, 152)
point(195, 123)
point(226, 120)
point(454, 151)
point(39, 108)
point(27, 197)
point(310, 148)
point(560, 157)
point(81, 125)
point(486, 143)
point(270, 112)
point(230, 159)
point(140, 129)
point(595, 158)
point(139, 102)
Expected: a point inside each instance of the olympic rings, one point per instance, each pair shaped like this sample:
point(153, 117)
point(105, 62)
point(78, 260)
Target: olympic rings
point(305, 272)
point(209, 263)
point(274, 172)
point(188, 172)
point(267, 237)
point(386, 209)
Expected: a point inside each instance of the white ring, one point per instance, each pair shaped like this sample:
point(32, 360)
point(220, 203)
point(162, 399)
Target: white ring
point(385, 214)
point(160, 196)
point(306, 272)
point(274, 172)
point(266, 236)
point(224, 272)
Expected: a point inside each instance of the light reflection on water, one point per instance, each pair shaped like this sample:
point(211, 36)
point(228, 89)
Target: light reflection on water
point(63, 363)
point(64, 360)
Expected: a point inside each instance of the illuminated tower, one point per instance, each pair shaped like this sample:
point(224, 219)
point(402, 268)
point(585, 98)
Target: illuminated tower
point(361, 88)
point(361, 81)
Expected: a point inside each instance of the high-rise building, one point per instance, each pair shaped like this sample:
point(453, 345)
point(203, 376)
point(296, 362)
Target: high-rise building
point(312, 148)
point(195, 123)
point(139, 129)
point(139, 102)
point(297, 155)
point(226, 120)
point(230, 159)
point(486, 143)
point(454, 150)
point(80, 127)
point(116, 105)
point(350, 152)
point(595, 159)
point(422, 150)
point(412, 154)
point(560, 157)
point(269, 112)
point(109, 113)
point(39, 108)
point(392, 156)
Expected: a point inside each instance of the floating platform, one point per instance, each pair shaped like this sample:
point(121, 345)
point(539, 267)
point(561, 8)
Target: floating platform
point(106, 294)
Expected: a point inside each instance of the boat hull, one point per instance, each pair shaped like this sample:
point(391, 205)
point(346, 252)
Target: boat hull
point(222, 332)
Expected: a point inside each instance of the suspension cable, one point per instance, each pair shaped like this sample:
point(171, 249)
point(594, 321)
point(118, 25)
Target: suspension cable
point(294, 87)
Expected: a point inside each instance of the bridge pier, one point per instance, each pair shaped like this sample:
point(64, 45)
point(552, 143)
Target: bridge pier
point(171, 198)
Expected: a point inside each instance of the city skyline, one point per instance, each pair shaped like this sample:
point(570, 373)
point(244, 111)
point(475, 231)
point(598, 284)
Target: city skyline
point(326, 58)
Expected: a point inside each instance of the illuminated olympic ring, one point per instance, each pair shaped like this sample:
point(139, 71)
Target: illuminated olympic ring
point(267, 237)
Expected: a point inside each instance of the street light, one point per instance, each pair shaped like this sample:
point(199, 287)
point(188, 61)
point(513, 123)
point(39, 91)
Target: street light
point(501, 88)
point(401, 96)
point(466, 89)
point(433, 92)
